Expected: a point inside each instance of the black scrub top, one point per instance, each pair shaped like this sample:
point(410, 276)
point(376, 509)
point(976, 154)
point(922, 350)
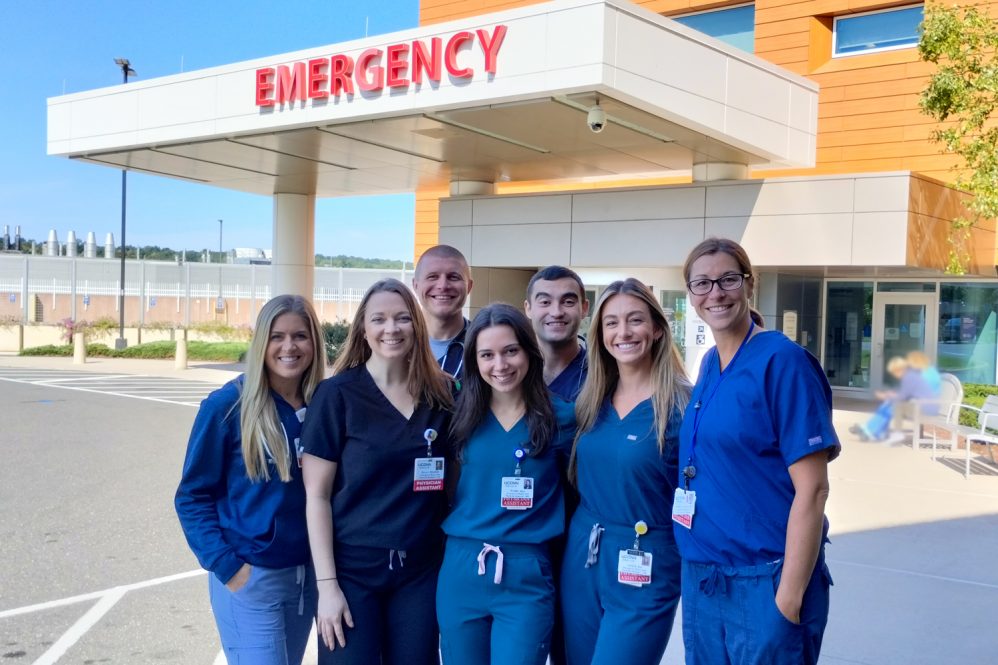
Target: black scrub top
point(352, 423)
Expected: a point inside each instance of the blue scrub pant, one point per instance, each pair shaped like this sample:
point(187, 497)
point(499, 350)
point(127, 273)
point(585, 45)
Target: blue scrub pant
point(607, 622)
point(266, 622)
point(482, 621)
point(390, 594)
point(730, 616)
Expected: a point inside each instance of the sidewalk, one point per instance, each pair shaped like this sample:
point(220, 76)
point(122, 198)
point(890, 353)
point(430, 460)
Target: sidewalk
point(914, 550)
point(212, 372)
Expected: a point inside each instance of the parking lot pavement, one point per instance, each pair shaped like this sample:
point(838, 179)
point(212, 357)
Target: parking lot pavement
point(96, 568)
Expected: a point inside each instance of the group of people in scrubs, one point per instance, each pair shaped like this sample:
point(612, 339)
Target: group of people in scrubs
point(502, 491)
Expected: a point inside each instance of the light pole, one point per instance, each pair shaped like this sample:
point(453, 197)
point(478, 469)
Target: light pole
point(121, 343)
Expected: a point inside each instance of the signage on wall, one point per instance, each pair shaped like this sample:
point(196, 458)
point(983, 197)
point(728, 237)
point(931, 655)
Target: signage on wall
point(12, 297)
point(790, 324)
point(698, 340)
point(397, 67)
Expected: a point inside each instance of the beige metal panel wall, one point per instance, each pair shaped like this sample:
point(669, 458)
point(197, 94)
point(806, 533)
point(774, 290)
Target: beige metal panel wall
point(856, 220)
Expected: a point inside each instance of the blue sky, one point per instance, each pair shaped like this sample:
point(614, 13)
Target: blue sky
point(50, 47)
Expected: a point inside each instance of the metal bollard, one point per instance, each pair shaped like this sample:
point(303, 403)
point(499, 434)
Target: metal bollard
point(180, 358)
point(79, 349)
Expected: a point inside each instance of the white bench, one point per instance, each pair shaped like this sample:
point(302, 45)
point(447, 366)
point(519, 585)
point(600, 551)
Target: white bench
point(950, 396)
point(987, 419)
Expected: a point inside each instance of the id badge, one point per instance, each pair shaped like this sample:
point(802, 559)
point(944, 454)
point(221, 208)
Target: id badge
point(428, 474)
point(634, 567)
point(517, 493)
point(683, 506)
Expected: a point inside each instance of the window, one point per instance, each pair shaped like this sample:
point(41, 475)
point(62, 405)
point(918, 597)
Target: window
point(872, 32)
point(733, 25)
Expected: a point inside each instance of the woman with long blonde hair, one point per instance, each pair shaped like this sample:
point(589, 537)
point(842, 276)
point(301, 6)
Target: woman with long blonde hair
point(620, 575)
point(376, 451)
point(241, 500)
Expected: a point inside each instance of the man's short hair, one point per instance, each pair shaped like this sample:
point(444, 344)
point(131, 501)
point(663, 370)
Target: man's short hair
point(442, 252)
point(552, 273)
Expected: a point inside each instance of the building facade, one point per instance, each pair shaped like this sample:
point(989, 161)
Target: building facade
point(850, 251)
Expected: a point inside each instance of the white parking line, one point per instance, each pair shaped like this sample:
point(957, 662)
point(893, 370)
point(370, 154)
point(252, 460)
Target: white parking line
point(901, 571)
point(80, 628)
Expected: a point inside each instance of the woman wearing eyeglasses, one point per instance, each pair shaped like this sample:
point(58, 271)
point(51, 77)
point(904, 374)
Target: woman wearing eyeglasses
point(749, 512)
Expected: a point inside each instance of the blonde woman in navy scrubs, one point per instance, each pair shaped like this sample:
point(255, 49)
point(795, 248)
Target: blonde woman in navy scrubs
point(620, 575)
point(375, 456)
point(241, 501)
point(755, 447)
point(495, 596)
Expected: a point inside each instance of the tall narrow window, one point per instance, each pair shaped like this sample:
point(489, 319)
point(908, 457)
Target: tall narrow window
point(872, 32)
point(734, 25)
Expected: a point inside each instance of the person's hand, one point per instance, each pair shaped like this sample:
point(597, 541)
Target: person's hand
point(239, 580)
point(788, 607)
point(331, 614)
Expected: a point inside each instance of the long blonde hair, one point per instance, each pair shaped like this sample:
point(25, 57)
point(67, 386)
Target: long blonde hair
point(671, 386)
point(427, 382)
point(258, 417)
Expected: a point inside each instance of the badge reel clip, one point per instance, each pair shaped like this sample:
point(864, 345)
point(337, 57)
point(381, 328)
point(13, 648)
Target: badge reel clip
point(634, 565)
point(685, 501)
point(428, 472)
point(517, 491)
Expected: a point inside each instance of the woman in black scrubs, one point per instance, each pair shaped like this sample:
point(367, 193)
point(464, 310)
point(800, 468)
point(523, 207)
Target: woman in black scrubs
point(376, 448)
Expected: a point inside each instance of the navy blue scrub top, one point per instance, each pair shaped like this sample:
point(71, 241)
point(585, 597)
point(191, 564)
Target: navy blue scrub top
point(622, 477)
point(568, 384)
point(773, 407)
point(487, 457)
point(352, 423)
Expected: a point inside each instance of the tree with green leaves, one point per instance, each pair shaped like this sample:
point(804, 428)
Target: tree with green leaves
point(963, 43)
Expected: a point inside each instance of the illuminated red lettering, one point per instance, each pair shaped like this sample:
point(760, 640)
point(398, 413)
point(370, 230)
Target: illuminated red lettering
point(291, 83)
point(398, 65)
point(264, 86)
point(428, 62)
point(341, 73)
point(490, 46)
point(317, 78)
point(450, 55)
point(370, 78)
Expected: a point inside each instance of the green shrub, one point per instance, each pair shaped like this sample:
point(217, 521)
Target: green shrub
point(974, 394)
point(335, 335)
point(164, 350)
point(223, 330)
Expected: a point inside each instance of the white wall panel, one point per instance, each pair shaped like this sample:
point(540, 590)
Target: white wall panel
point(658, 203)
point(757, 92)
point(656, 242)
point(880, 238)
point(878, 194)
point(523, 210)
point(513, 245)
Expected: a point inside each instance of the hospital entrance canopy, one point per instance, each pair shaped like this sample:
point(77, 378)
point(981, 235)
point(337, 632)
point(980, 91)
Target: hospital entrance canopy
point(493, 98)
point(498, 97)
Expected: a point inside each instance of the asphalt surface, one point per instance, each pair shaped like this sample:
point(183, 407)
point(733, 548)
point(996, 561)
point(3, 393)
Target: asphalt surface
point(95, 568)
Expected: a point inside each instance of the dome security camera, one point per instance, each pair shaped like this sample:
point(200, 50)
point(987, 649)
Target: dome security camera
point(596, 119)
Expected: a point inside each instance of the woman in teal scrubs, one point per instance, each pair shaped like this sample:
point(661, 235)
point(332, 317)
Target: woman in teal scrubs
point(620, 576)
point(495, 594)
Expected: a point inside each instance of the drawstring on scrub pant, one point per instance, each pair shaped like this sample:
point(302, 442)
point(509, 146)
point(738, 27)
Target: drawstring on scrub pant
point(300, 581)
point(714, 581)
point(391, 556)
point(594, 538)
point(499, 557)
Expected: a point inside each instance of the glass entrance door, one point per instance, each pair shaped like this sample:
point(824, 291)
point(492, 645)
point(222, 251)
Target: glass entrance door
point(902, 322)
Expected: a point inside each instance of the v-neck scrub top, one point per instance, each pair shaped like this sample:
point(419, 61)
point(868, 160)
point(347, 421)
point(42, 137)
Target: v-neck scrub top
point(487, 457)
point(621, 476)
point(352, 423)
point(772, 408)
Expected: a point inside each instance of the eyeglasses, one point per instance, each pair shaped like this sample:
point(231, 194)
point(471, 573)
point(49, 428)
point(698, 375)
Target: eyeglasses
point(730, 282)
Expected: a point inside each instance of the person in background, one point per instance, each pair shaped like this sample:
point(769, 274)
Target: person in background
point(442, 282)
point(620, 577)
point(755, 445)
point(556, 304)
point(495, 596)
point(376, 452)
point(241, 500)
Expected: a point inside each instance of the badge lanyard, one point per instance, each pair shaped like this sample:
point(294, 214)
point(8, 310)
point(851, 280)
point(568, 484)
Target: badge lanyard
point(690, 470)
